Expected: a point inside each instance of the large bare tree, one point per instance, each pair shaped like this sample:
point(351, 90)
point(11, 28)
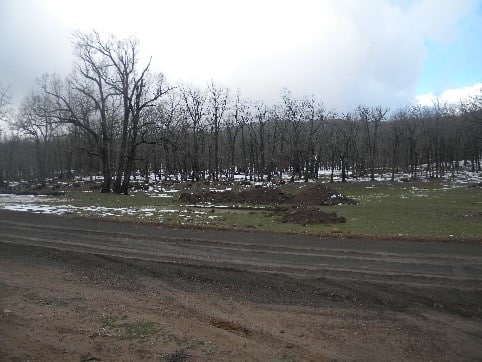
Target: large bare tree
point(136, 89)
point(106, 96)
point(83, 100)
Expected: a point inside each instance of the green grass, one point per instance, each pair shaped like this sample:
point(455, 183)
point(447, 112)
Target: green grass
point(119, 327)
point(108, 322)
point(141, 331)
point(425, 210)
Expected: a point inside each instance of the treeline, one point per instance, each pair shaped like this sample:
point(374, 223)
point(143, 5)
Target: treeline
point(113, 117)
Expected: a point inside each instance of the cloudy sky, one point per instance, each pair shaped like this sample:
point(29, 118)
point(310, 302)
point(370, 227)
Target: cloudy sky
point(344, 52)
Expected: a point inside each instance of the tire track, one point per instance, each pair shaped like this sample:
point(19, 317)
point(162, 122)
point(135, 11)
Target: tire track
point(435, 269)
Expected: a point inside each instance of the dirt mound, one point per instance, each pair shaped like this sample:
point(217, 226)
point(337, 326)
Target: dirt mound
point(254, 196)
point(293, 208)
point(306, 216)
point(316, 194)
point(320, 194)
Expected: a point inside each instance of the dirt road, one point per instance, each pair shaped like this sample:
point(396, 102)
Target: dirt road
point(78, 289)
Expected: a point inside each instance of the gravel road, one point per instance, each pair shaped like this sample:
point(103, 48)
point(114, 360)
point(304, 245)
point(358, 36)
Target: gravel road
point(382, 276)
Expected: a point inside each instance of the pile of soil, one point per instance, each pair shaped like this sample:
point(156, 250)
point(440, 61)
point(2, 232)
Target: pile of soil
point(293, 208)
point(320, 194)
point(254, 196)
point(317, 194)
point(307, 216)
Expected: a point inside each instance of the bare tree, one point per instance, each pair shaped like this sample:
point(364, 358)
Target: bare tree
point(35, 121)
point(112, 107)
point(259, 138)
point(5, 101)
point(144, 95)
point(313, 115)
point(371, 119)
point(120, 59)
point(194, 103)
point(105, 80)
point(82, 100)
point(242, 120)
point(234, 122)
point(217, 103)
point(293, 122)
point(395, 140)
point(347, 134)
point(472, 109)
point(113, 63)
point(10, 167)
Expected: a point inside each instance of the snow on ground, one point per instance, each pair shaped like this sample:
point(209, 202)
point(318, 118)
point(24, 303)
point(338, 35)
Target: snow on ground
point(49, 205)
point(462, 176)
point(44, 205)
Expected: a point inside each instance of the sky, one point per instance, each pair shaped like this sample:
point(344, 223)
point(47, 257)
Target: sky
point(343, 52)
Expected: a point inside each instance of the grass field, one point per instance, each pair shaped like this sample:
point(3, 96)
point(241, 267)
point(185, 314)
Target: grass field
point(425, 210)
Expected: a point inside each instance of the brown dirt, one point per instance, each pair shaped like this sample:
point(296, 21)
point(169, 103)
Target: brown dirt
point(50, 312)
point(295, 208)
point(252, 196)
point(83, 290)
point(317, 194)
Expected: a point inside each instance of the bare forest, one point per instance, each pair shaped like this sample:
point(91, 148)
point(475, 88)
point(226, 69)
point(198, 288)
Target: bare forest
point(114, 118)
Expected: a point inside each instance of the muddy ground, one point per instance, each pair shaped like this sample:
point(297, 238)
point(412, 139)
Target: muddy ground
point(54, 311)
point(67, 303)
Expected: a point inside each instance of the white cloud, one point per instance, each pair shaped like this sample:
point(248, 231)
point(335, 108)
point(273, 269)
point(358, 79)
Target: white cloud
point(345, 52)
point(450, 96)
point(32, 42)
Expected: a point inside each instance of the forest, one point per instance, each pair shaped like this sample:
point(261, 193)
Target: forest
point(113, 117)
